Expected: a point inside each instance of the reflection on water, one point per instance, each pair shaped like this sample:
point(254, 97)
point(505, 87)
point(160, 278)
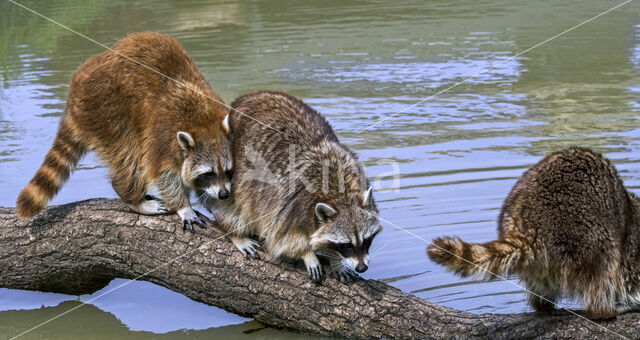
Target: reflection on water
point(94, 323)
point(157, 304)
point(457, 154)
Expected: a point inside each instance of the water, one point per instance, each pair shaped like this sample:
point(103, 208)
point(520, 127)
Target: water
point(457, 155)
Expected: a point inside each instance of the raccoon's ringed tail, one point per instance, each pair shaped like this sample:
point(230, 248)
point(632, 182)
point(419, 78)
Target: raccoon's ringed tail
point(482, 260)
point(54, 171)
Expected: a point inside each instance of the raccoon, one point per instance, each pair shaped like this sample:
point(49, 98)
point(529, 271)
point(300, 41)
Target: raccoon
point(568, 228)
point(160, 138)
point(297, 188)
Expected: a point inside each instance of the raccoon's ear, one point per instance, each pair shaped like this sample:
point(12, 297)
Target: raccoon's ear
point(324, 212)
point(367, 198)
point(185, 140)
point(225, 123)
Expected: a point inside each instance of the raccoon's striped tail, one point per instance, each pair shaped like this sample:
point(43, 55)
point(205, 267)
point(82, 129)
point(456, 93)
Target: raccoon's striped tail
point(56, 167)
point(481, 260)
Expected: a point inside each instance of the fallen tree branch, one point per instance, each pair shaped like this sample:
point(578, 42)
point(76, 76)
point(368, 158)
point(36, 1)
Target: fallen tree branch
point(79, 247)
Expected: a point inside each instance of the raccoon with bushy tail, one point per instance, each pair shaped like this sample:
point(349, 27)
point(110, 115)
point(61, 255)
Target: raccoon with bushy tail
point(568, 228)
point(160, 138)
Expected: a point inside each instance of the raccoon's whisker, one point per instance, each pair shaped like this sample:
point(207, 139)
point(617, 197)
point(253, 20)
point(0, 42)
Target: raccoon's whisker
point(347, 268)
point(203, 197)
point(379, 249)
point(333, 270)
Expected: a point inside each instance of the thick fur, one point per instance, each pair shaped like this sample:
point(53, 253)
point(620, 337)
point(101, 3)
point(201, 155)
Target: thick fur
point(130, 115)
point(568, 228)
point(479, 260)
point(282, 151)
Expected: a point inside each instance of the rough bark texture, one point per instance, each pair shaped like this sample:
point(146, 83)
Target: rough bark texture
point(79, 247)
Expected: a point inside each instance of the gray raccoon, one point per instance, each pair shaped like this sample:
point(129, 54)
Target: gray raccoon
point(568, 228)
point(296, 187)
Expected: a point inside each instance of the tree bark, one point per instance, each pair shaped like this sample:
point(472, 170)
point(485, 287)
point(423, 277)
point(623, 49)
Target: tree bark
point(79, 247)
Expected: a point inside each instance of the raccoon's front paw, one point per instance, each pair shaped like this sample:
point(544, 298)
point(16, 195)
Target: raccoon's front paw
point(247, 246)
point(151, 206)
point(314, 268)
point(315, 273)
point(342, 273)
point(204, 218)
point(347, 276)
point(191, 217)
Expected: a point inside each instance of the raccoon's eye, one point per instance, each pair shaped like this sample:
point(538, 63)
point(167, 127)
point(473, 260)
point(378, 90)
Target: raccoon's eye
point(208, 175)
point(346, 249)
point(229, 174)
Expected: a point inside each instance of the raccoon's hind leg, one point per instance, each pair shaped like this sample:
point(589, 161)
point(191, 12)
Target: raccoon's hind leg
point(248, 247)
point(597, 282)
point(133, 192)
point(229, 224)
point(599, 302)
point(542, 303)
point(151, 205)
point(139, 202)
point(542, 290)
point(601, 312)
point(623, 308)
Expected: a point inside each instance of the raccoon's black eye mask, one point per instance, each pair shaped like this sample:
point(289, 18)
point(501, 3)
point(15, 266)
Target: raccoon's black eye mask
point(366, 243)
point(205, 179)
point(345, 249)
point(348, 249)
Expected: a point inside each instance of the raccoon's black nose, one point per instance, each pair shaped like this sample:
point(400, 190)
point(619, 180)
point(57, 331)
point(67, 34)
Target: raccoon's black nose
point(361, 268)
point(224, 193)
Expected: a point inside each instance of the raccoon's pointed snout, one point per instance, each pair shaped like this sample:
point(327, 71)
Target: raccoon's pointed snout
point(361, 268)
point(224, 193)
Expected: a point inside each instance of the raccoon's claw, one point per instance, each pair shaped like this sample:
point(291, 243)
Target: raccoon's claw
point(247, 246)
point(162, 209)
point(187, 223)
point(314, 268)
point(191, 217)
point(342, 273)
point(251, 250)
point(346, 276)
point(205, 219)
point(151, 206)
point(315, 273)
point(190, 223)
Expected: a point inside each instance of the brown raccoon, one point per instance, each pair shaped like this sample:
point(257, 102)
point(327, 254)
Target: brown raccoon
point(568, 228)
point(160, 138)
point(296, 187)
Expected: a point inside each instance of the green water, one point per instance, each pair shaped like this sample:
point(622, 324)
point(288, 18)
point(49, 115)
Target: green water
point(357, 62)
